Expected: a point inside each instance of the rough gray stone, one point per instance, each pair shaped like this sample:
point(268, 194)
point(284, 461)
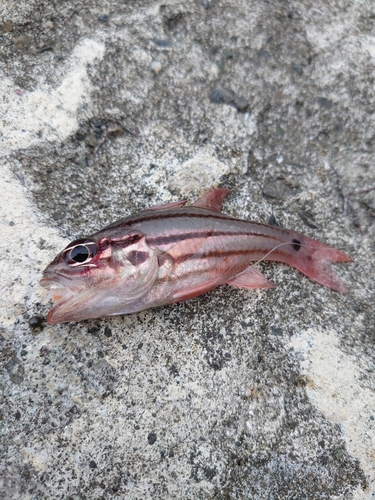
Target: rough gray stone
point(234, 394)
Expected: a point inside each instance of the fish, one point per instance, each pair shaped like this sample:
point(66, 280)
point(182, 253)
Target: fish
point(172, 252)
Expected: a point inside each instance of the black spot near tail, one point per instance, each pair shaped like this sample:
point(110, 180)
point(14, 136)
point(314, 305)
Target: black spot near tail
point(296, 245)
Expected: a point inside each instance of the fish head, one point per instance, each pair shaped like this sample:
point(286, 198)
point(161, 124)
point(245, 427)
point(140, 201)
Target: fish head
point(98, 276)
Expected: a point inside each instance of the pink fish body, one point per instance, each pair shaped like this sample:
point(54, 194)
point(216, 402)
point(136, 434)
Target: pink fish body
point(174, 252)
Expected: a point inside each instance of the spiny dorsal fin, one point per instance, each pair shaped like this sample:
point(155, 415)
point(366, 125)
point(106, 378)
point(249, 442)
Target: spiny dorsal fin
point(171, 204)
point(212, 200)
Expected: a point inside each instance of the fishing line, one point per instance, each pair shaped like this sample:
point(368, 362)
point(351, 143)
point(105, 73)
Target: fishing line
point(281, 245)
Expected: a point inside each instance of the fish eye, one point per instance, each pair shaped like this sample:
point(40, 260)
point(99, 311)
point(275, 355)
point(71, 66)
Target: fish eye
point(80, 253)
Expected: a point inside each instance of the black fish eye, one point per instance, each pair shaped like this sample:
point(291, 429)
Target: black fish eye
point(80, 253)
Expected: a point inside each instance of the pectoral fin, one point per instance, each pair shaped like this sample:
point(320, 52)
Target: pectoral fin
point(250, 278)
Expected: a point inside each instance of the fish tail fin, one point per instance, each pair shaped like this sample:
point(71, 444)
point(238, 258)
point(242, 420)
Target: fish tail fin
point(314, 259)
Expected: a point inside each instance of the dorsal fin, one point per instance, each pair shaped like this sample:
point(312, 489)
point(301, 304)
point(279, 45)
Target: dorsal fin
point(171, 204)
point(213, 199)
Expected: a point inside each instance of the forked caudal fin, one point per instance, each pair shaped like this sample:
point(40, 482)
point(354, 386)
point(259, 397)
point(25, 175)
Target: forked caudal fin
point(314, 259)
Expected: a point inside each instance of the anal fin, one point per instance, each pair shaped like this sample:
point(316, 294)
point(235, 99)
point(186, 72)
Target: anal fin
point(250, 278)
point(212, 200)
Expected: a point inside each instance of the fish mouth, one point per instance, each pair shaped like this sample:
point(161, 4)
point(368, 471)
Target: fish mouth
point(56, 290)
point(69, 301)
point(59, 291)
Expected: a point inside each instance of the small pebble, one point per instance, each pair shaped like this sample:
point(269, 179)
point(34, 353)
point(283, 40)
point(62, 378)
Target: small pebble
point(49, 25)
point(35, 321)
point(15, 370)
point(272, 221)
point(82, 160)
point(369, 200)
point(98, 124)
point(308, 219)
point(263, 54)
point(103, 18)
point(93, 465)
point(156, 66)
point(80, 136)
point(272, 190)
point(91, 140)
point(222, 95)
point(19, 439)
point(324, 103)
point(228, 54)
point(280, 130)
point(339, 454)
point(161, 43)
point(119, 20)
point(108, 332)
point(94, 330)
point(60, 214)
point(206, 4)
point(293, 183)
point(46, 48)
point(7, 27)
point(151, 438)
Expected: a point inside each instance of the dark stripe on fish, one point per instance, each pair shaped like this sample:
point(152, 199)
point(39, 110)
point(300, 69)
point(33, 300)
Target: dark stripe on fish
point(177, 237)
point(165, 214)
point(198, 213)
point(220, 253)
point(172, 215)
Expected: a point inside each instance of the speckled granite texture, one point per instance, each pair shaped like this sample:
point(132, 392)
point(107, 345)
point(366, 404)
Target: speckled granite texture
point(108, 107)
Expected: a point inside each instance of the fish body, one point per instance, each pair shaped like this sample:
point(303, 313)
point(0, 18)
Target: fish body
point(174, 252)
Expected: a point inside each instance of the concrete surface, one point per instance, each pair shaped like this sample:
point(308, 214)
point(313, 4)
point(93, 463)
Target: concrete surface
point(108, 107)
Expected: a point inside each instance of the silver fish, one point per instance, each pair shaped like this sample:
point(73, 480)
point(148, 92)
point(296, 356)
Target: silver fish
point(174, 252)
